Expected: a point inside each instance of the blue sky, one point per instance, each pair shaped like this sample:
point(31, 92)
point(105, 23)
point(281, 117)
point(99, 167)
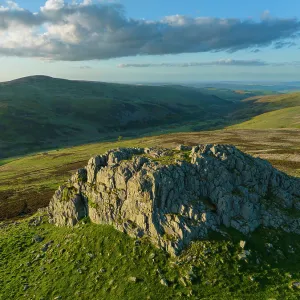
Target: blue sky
point(266, 45)
point(156, 9)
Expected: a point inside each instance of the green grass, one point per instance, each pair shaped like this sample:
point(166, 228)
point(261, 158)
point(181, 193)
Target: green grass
point(256, 108)
point(97, 262)
point(5, 161)
point(282, 118)
point(171, 157)
point(283, 100)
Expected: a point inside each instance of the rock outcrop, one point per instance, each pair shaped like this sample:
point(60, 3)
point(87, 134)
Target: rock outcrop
point(175, 196)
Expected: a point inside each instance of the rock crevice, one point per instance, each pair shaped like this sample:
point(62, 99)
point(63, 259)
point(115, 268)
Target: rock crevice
point(175, 196)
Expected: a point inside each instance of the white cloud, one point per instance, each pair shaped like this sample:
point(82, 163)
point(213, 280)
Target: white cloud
point(220, 62)
point(53, 5)
point(86, 31)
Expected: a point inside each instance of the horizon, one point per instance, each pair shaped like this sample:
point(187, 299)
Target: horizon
point(244, 82)
point(128, 41)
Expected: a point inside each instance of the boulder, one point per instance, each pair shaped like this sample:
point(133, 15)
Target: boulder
point(150, 192)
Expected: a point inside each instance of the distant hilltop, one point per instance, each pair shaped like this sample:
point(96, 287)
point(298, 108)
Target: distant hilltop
point(175, 196)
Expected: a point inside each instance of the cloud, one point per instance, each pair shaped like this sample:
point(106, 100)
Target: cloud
point(85, 67)
point(221, 62)
point(87, 31)
point(53, 5)
point(283, 44)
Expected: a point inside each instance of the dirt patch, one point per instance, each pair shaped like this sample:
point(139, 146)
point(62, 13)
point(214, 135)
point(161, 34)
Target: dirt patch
point(69, 168)
point(24, 203)
point(5, 195)
point(53, 156)
point(285, 164)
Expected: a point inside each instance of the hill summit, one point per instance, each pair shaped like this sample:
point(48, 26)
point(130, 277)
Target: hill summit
point(176, 196)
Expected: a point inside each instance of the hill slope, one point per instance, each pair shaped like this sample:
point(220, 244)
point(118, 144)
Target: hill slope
point(277, 111)
point(41, 261)
point(282, 118)
point(41, 112)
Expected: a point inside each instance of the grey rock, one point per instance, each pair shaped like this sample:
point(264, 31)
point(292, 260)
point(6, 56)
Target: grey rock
point(183, 148)
point(242, 244)
point(164, 282)
point(133, 190)
point(90, 255)
point(244, 254)
point(46, 246)
point(26, 287)
point(132, 279)
point(296, 285)
point(36, 221)
point(37, 239)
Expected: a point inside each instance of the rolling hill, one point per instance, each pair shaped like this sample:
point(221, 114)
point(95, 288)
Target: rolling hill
point(41, 112)
point(282, 111)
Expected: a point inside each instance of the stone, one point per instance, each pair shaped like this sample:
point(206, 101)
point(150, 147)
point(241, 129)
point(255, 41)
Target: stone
point(90, 255)
point(183, 148)
point(46, 246)
point(164, 282)
point(244, 254)
point(36, 221)
point(296, 285)
point(152, 255)
point(26, 287)
point(242, 244)
point(132, 279)
point(37, 239)
point(147, 192)
point(269, 246)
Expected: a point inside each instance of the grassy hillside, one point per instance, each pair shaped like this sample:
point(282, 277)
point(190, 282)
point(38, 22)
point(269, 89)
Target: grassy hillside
point(283, 100)
point(227, 93)
point(275, 111)
point(231, 94)
point(27, 183)
point(282, 118)
point(258, 105)
point(41, 261)
point(41, 112)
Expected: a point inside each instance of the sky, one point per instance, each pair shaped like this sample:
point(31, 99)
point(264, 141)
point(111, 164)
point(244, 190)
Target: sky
point(151, 41)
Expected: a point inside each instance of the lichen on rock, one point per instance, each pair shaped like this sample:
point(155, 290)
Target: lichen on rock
point(175, 196)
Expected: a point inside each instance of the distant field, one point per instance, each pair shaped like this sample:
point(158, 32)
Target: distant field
point(27, 183)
